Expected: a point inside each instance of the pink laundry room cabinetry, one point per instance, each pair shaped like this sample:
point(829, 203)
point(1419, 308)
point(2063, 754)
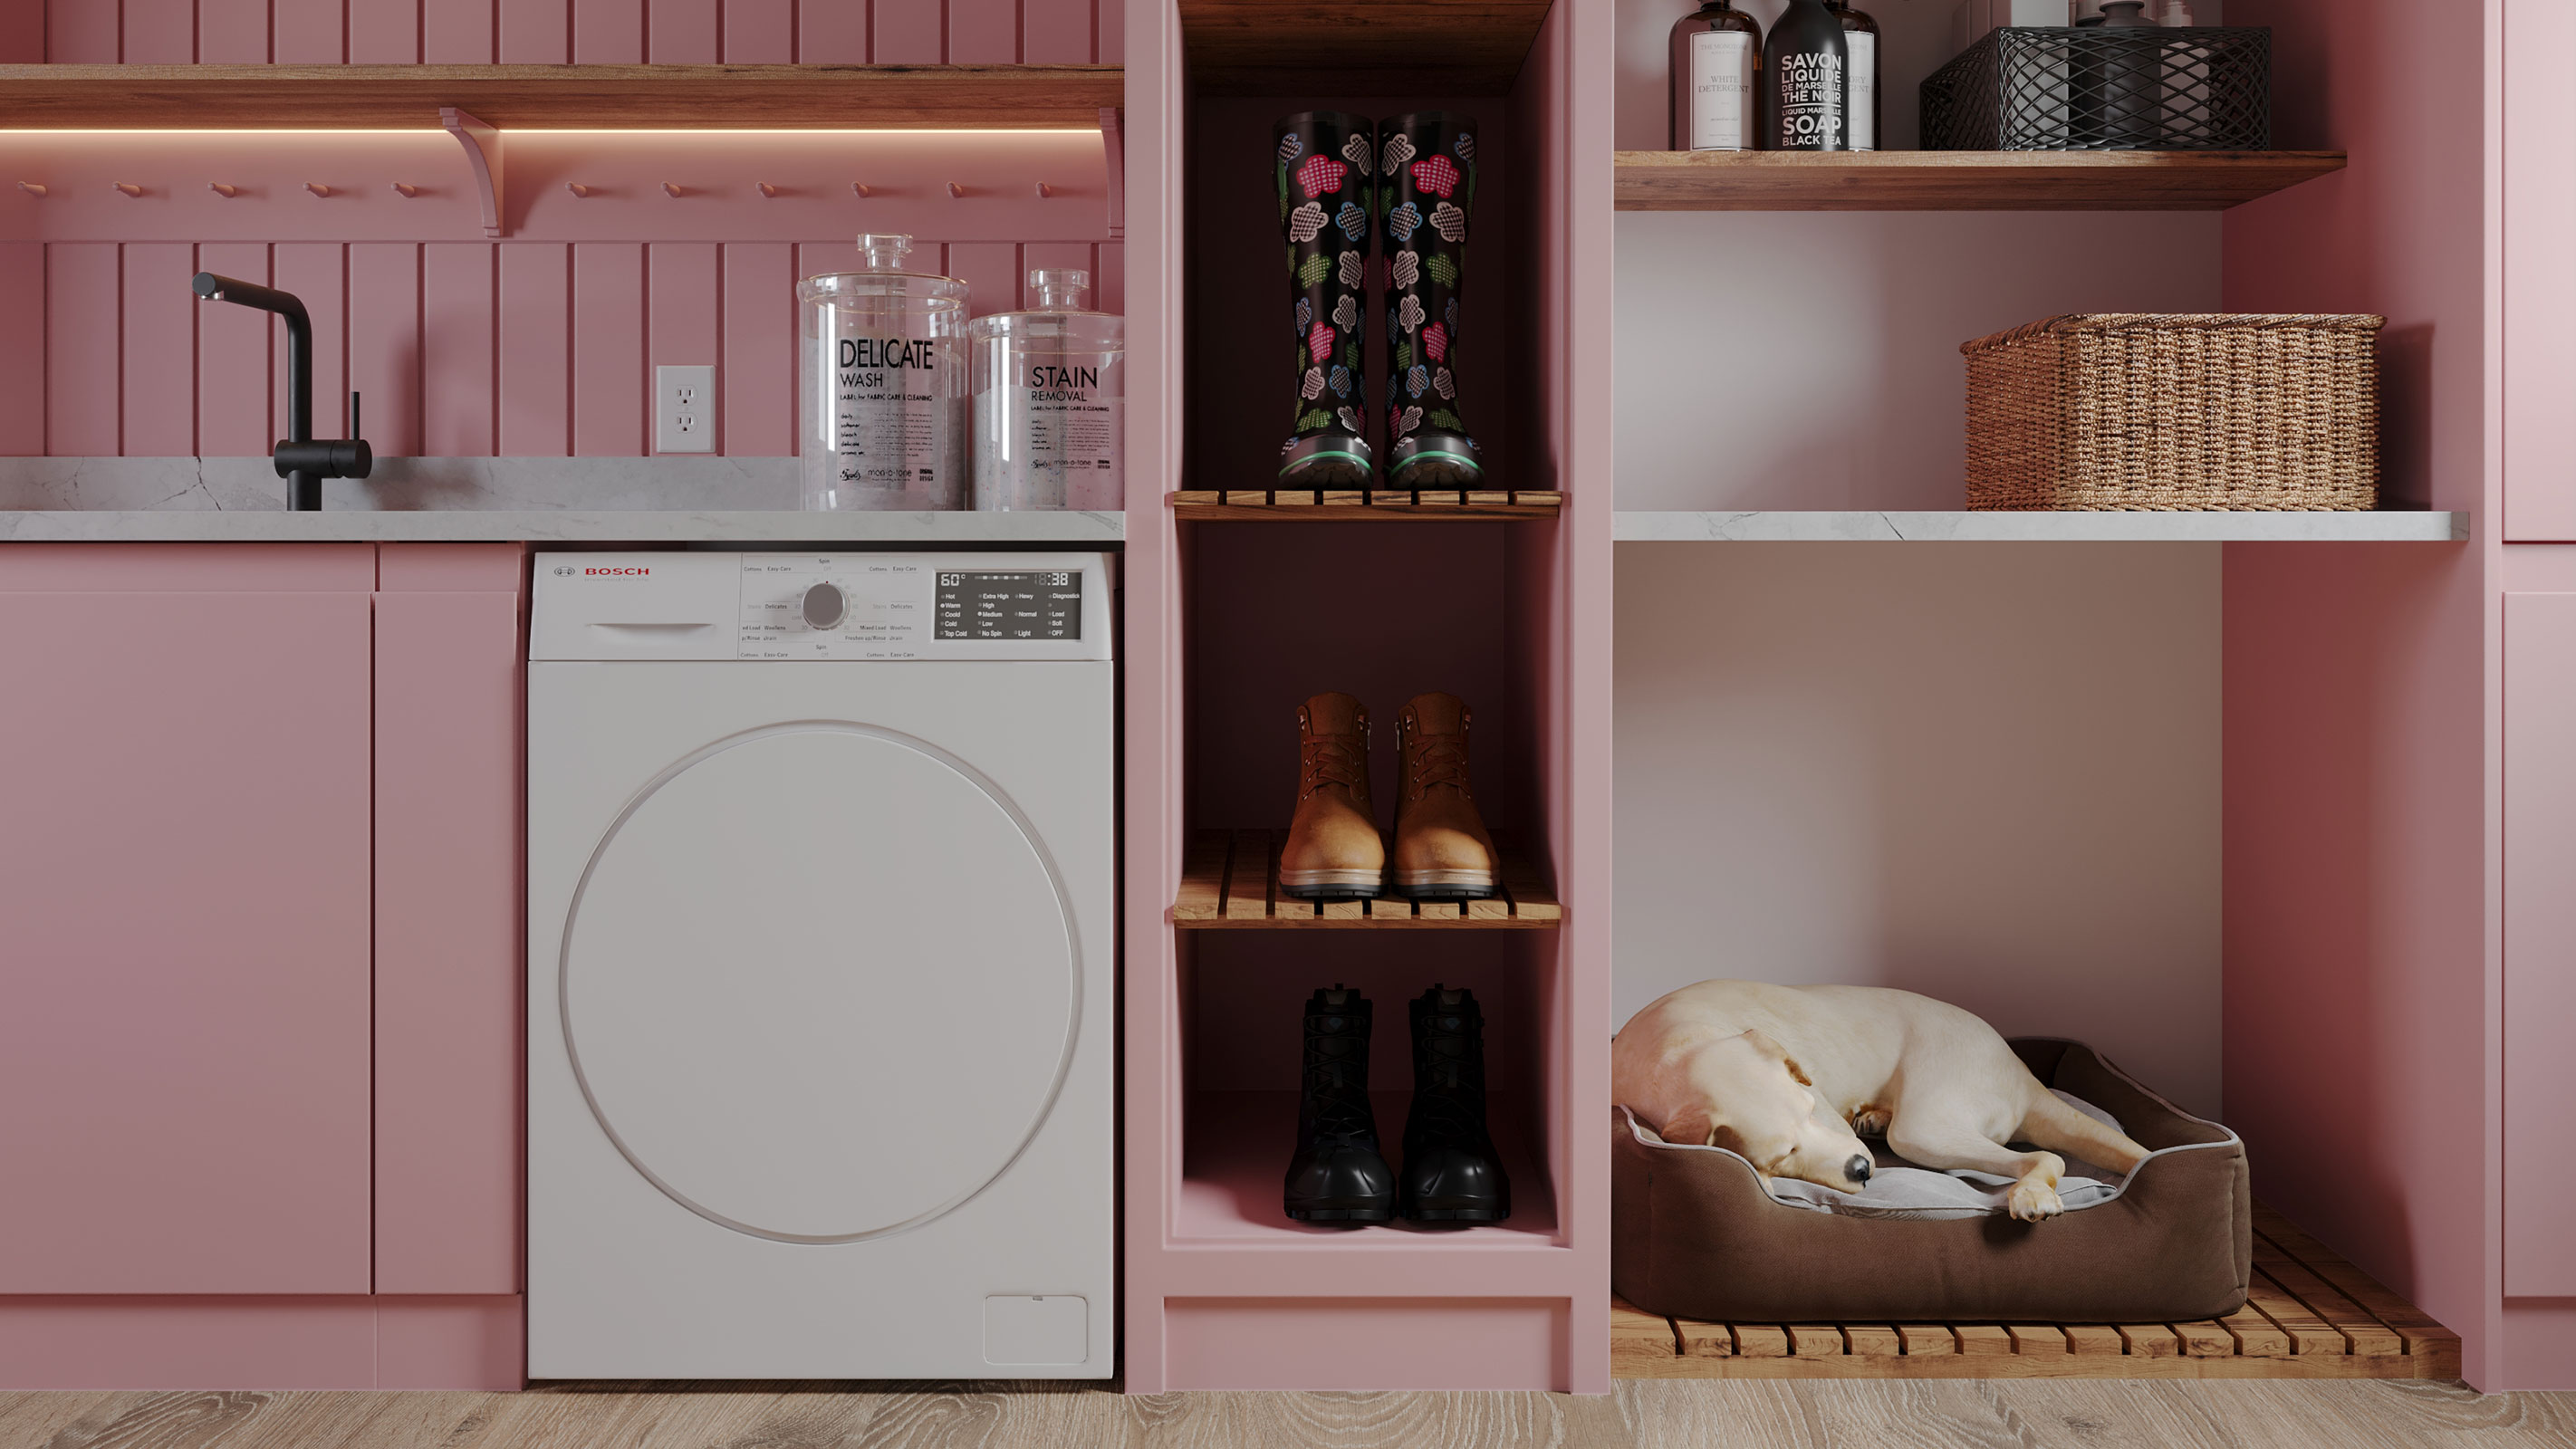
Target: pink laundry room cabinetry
point(259, 903)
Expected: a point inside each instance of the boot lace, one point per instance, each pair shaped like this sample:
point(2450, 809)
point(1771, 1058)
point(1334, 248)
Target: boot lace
point(1437, 760)
point(1336, 1070)
point(1332, 760)
point(1449, 1078)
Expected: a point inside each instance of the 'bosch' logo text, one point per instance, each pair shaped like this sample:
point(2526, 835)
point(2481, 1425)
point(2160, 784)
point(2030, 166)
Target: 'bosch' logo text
point(617, 571)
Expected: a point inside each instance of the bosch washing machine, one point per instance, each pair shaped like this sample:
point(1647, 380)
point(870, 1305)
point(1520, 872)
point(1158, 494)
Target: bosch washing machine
point(820, 966)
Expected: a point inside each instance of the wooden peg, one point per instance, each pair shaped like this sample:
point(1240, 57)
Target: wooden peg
point(1045, 191)
point(767, 189)
point(31, 188)
point(223, 190)
point(317, 188)
point(576, 188)
point(862, 190)
point(405, 188)
point(674, 189)
point(129, 188)
point(955, 190)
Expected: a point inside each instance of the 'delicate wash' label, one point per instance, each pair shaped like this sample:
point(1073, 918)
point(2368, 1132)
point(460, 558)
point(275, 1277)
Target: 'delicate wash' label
point(1721, 90)
point(1811, 100)
point(889, 413)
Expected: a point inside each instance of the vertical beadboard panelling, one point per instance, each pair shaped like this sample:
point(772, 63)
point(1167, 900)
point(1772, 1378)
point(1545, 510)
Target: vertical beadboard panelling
point(159, 32)
point(1109, 277)
point(305, 32)
point(1058, 32)
point(992, 269)
point(536, 349)
point(232, 32)
point(758, 377)
point(832, 32)
point(159, 367)
point(234, 366)
point(456, 352)
point(456, 32)
point(607, 32)
point(383, 32)
point(78, 31)
point(681, 32)
point(759, 32)
point(22, 33)
point(81, 303)
point(316, 272)
point(384, 343)
point(536, 32)
point(22, 364)
point(681, 316)
point(608, 350)
point(1109, 28)
point(905, 32)
point(984, 32)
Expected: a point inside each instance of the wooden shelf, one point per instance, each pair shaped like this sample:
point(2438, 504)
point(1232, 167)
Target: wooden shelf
point(2311, 1315)
point(1310, 506)
point(725, 97)
point(1230, 881)
point(1959, 180)
point(1797, 526)
point(1359, 47)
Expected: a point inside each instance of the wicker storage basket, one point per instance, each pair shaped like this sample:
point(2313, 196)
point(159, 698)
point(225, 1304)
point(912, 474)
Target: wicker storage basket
point(2149, 412)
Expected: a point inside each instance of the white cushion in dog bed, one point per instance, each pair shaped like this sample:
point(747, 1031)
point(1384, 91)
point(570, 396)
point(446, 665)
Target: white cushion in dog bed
point(1898, 1189)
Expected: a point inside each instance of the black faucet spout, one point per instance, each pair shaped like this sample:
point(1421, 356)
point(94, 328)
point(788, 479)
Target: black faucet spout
point(299, 459)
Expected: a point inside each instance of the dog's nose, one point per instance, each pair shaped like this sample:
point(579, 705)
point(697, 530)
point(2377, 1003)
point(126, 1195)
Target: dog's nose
point(1858, 1169)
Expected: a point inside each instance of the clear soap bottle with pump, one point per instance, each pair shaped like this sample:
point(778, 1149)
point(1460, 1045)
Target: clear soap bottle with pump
point(884, 384)
point(1050, 402)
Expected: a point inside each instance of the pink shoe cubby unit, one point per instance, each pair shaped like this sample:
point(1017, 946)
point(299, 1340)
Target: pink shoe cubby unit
point(261, 875)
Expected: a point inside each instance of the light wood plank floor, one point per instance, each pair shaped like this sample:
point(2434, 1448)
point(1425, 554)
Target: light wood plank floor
point(1750, 1414)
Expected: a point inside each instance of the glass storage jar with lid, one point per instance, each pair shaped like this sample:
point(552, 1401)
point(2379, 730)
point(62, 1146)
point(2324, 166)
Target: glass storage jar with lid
point(1050, 402)
point(884, 385)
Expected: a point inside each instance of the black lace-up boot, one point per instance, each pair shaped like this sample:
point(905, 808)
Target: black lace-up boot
point(1451, 1172)
point(1338, 1174)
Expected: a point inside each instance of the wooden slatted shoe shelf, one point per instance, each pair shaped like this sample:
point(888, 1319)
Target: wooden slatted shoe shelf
point(1230, 881)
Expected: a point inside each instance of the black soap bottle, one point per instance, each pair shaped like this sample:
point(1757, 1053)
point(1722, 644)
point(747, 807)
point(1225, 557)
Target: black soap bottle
point(1860, 35)
point(1716, 72)
point(1806, 92)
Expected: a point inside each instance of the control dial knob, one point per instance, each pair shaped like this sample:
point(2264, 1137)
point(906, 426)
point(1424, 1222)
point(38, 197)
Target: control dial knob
point(825, 606)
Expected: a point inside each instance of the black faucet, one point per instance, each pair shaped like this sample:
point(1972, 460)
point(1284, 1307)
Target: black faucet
point(301, 460)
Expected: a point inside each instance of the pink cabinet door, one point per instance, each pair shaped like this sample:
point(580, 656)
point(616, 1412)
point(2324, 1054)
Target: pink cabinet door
point(2539, 943)
point(184, 920)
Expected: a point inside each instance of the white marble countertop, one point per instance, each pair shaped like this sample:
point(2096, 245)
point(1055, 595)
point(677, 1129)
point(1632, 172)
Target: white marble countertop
point(556, 526)
point(1965, 527)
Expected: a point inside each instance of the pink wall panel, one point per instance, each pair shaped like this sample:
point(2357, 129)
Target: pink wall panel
point(983, 32)
point(1109, 19)
point(1109, 277)
point(81, 294)
point(832, 32)
point(234, 369)
point(318, 273)
point(159, 363)
point(450, 1343)
point(682, 32)
point(154, 1342)
point(232, 32)
point(608, 371)
point(757, 378)
point(309, 32)
point(535, 32)
point(535, 350)
point(1058, 32)
point(458, 32)
point(80, 31)
point(384, 32)
point(2539, 946)
point(457, 282)
point(682, 313)
point(22, 362)
point(2539, 292)
point(159, 32)
point(759, 32)
point(22, 33)
point(448, 988)
point(607, 32)
point(188, 1004)
point(384, 343)
point(992, 270)
point(904, 32)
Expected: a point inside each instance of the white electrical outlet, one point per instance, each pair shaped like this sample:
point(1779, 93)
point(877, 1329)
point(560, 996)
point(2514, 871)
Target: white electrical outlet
point(684, 409)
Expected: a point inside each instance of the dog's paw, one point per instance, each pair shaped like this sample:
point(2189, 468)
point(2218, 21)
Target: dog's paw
point(2034, 1202)
point(1871, 1121)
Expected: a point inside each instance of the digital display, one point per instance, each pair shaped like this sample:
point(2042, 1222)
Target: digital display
point(1017, 604)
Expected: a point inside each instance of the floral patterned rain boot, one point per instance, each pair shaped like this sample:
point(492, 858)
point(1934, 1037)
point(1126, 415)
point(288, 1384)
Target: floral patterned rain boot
point(1322, 165)
point(1427, 186)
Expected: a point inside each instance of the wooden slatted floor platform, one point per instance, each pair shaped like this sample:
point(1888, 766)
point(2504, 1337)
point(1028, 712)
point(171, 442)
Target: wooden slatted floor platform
point(1230, 880)
point(2311, 1315)
point(1310, 506)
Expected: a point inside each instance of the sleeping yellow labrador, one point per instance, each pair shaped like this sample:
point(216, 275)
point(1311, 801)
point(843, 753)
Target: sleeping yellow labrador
point(1783, 1075)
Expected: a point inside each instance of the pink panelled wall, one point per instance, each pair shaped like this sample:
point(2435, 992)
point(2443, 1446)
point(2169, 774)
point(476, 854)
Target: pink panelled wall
point(462, 349)
point(540, 32)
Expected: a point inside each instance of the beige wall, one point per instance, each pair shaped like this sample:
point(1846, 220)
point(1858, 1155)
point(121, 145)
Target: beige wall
point(1986, 772)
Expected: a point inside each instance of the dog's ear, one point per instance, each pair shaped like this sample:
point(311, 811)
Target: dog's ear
point(1779, 1053)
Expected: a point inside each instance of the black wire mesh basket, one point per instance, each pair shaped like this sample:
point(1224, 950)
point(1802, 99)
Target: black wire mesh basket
point(2134, 88)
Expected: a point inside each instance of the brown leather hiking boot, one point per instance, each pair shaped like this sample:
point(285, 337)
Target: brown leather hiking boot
point(1334, 852)
point(1441, 849)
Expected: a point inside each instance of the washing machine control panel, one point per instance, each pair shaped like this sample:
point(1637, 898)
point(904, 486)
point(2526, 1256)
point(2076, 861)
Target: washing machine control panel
point(884, 606)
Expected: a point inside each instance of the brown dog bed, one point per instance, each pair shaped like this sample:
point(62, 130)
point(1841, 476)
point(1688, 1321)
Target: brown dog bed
point(1694, 1234)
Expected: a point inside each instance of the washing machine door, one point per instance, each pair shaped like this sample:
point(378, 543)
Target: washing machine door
point(820, 982)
